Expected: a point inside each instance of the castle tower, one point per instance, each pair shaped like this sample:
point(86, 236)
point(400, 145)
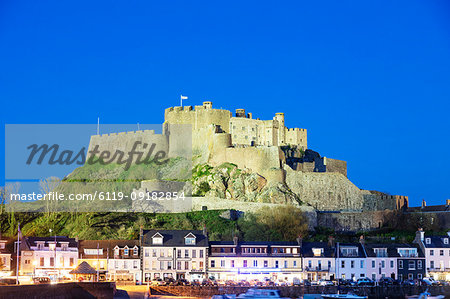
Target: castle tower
point(207, 105)
point(240, 113)
point(281, 129)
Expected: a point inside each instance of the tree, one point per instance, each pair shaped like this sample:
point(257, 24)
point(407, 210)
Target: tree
point(46, 186)
point(283, 223)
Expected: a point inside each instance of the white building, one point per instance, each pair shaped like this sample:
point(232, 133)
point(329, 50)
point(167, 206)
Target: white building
point(52, 257)
point(319, 261)
point(125, 262)
point(277, 261)
point(350, 261)
point(5, 258)
point(177, 254)
point(381, 261)
point(437, 254)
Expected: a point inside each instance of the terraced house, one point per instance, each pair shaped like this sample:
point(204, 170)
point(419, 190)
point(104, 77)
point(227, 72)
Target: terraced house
point(437, 254)
point(234, 260)
point(177, 254)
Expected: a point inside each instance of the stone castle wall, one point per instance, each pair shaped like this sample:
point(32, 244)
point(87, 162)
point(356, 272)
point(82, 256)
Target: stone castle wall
point(325, 191)
point(353, 221)
point(124, 142)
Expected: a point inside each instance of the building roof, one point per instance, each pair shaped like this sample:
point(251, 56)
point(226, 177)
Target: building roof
point(307, 249)
point(361, 253)
point(108, 247)
point(436, 242)
point(83, 268)
point(272, 244)
point(33, 241)
point(391, 248)
point(434, 208)
point(175, 238)
point(9, 246)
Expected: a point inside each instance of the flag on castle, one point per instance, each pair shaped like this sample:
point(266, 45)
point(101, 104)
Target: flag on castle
point(182, 97)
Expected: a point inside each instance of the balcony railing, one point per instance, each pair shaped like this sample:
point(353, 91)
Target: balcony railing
point(317, 269)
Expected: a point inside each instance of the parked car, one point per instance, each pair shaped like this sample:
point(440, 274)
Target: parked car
point(41, 280)
point(365, 282)
point(158, 282)
point(386, 281)
point(430, 281)
point(306, 282)
point(323, 282)
point(408, 282)
point(346, 282)
point(7, 281)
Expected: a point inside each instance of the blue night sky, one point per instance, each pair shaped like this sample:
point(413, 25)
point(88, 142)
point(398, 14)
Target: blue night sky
point(369, 80)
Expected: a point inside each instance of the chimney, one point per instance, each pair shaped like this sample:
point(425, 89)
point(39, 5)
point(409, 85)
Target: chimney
point(361, 239)
point(424, 203)
point(299, 241)
point(448, 233)
point(447, 202)
point(205, 232)
point(235, 240)
point(331, 241)
point(420, 235)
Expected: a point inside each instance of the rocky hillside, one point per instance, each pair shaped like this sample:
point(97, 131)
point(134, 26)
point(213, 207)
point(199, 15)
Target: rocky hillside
point(230, 182)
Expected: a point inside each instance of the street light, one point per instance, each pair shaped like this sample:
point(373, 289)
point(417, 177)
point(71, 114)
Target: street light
point(54, 256)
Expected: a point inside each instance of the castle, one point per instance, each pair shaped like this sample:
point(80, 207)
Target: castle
point(278, 154)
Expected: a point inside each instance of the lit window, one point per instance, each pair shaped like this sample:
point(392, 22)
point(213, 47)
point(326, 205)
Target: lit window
point(190, 241)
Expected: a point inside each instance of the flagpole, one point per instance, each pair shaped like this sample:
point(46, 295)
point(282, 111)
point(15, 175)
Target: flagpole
point(181, 100)
point(18, 248)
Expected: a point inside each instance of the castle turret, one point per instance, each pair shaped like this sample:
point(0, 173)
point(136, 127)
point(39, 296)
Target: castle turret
point(240, 112)
point(207, 105)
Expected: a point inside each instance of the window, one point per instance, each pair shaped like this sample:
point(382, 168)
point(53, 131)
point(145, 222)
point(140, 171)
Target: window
point(431, 264)
point(116, 264)
point(135, 264)
point(400, 264)
point(276, 264)
point(51, 246)
point(244, 264)
point(61, 262)
point(190, 241)
point(179, 253)
point(52, 262)
point(201, 253)
point(295, 264)
point(265, 264)
point(445, 240)
point(419, 264)
point(342, 264)
point(408, 252)
point(361, 264)
point(419, 276)
point(411, 265)
point(64, 247)
point(319, 265)
point(169, 265)
point(135, 251)
point(431, 252)
point(352, 264)
point(186, 265)
point(374, 277)
point(201, 265)
point(392, 264)
point(41, 262)
point(285, 264)
point(373, 263)
point(428, 240)
point(222, 263)
point(317, 251)
point(309, 264)
point(255, 263)
point(157, 240)
point(2, 245)
point(329, 265)
point(179, 264)
point(380, 252)
point(441, 252)
point(350, 251)
point(194, 253)
point(232, 263)
point(125, 251)
point(383, 264)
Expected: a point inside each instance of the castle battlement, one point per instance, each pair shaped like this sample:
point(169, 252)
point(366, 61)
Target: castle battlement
point(124, 133)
